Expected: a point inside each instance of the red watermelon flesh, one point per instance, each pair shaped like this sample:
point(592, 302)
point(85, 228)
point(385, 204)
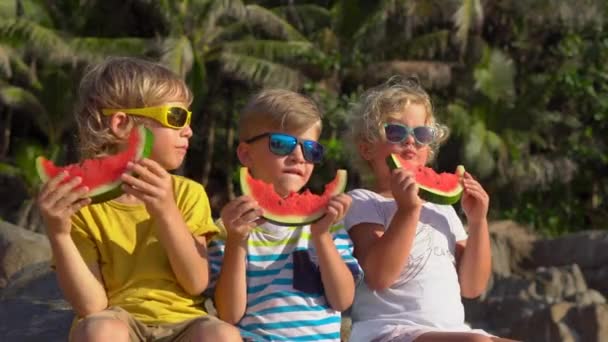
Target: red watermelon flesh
point(102, 175)
point(440, 188)
point(295, 209)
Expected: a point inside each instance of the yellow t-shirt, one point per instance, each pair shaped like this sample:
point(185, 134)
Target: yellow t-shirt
point(136, 272)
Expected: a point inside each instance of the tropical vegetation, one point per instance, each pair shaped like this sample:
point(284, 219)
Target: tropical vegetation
point(521, 84)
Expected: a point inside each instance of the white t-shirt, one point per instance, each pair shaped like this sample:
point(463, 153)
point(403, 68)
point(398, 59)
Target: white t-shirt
point(427, 292)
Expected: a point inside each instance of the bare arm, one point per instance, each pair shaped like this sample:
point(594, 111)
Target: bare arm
point(239, 218)
point(81, 285)
point(337, 279)
point(475, 263)
point(382, 255)
point(231, 289)
point(187, 254)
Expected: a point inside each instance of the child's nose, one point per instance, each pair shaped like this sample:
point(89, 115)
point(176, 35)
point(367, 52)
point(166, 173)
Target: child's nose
point(186, 131)
point(298, 154)
point(409, 139)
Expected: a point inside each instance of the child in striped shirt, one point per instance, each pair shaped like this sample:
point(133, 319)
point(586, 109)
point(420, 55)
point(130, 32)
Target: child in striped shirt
point(276, 282)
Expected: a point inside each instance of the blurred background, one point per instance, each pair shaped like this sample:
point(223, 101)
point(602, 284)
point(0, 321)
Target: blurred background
point(521, 84)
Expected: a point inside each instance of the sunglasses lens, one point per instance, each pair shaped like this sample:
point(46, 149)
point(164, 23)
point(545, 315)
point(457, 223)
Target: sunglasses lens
point(395, 133)
point(424, 134)
point(177, 116)
point(313, 151)
point(282, 144)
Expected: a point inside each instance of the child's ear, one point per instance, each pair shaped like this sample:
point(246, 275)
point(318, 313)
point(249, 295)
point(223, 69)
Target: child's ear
point(119, 124)
point(366, 150)
point(244, 154)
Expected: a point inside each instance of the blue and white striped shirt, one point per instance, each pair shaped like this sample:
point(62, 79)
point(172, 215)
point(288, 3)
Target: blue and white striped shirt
point(285, 297)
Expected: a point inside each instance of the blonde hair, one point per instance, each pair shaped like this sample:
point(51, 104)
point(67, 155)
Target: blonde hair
point(278, 109)
point(121, 82)
point(368, 116)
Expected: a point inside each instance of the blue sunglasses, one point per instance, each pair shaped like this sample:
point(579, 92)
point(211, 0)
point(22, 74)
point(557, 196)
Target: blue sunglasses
point(397, 133)
point(283, 144)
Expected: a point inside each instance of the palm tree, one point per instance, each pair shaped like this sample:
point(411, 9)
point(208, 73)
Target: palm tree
point(209, 40)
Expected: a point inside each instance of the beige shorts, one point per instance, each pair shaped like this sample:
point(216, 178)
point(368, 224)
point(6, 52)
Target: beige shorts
point(170, 332)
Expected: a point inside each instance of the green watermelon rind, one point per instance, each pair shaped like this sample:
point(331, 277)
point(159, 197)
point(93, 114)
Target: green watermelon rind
point(429, 194)
point(294, 220)
point(113, 189)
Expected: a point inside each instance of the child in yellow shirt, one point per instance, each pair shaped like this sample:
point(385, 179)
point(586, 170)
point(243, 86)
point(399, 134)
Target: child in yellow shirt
point(133, 268)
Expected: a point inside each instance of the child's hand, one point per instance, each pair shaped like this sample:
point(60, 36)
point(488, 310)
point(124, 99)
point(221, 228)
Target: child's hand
point(405, 189)
point(153, 186)
point(475, 200)
point(240, 216)
point(59, 201)
point(336, 209)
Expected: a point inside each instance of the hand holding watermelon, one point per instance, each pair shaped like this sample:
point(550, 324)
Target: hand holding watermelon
point(241, 215)
point(405, 189)
point(59, 199)
point(153, 185)
point(475, 200)
point(335, 211)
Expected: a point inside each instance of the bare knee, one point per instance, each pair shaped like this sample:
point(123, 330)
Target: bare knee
point(478, 338)
point(216, 331)
point(101, 329)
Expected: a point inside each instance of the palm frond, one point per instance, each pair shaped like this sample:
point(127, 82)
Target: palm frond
point(371, 31)
point(8, 9)
point(260, 71)
point(20, 98)
point(207, 13)
point(494, 77)
point(428, 45)
point(177, 55)
point(468, 16)
point(5, 61)
point(93, 49)
point(562, 13)
point(272, 24)
point(274, 50)
point(306, 17)
point(45, 42)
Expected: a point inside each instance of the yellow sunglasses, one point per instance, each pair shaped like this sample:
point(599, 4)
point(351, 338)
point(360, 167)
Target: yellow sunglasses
point(169, 116)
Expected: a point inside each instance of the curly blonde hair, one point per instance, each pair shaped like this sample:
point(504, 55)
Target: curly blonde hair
point(375, 105)
point(121, 82)
point(278, 109)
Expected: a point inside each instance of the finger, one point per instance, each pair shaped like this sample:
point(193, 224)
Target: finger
point(63, 190)
point(476, 194)
point(144, 174)
point(135, 192)
point(71, 198)
point(51, 184)
point(139, 184)
point(153, 166)
point(76, 206)
point(247, 218)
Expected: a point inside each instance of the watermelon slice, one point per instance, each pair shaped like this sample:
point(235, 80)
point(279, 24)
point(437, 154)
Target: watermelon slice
point(102, 175)
point(297, 209)
point(442, 188)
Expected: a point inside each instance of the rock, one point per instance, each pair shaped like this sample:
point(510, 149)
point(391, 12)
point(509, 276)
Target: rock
point(511, 247)
point(565, 322)
point(514, 298)
point(18, 248)
point(588, 249)
point(32, 307)
point(597, 278)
